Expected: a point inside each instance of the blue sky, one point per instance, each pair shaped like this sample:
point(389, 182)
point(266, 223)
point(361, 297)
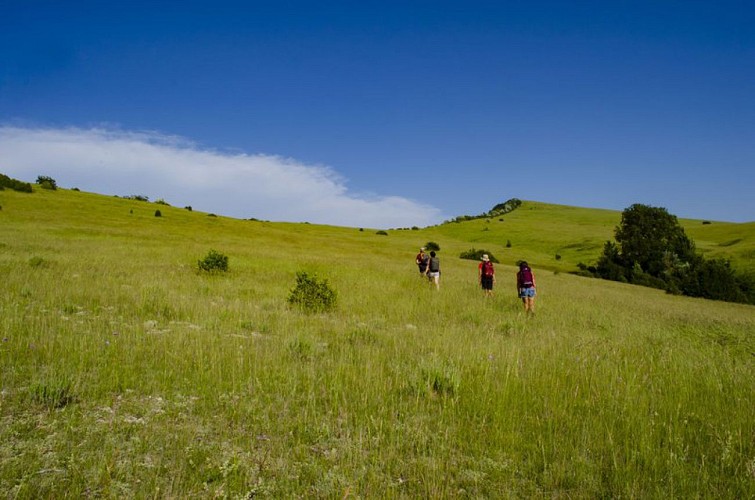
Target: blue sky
point(385, 114)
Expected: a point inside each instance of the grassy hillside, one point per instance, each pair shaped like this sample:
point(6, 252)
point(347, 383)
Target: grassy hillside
point(126, 373)
point(538, 232)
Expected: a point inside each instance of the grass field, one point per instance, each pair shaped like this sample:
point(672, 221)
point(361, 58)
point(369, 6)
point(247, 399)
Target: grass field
point(124, 372)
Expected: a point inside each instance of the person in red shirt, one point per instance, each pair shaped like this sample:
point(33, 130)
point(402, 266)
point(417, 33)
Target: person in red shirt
point(486, 275)
point(421, 261)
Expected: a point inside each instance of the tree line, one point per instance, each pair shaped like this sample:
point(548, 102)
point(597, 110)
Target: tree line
point(652, 249)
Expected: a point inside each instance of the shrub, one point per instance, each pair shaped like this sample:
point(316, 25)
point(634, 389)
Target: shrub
point(508, 243)
point(706, 222)
point(558, 256)
point(474, 254)
point(382, 233)
point(158, 213)
point(162, 202)
point(188, 207)
point(214, 261)
point(715, 279)
point(432, 246)
point(312, 294)
point(16, 185)
point(46, 182)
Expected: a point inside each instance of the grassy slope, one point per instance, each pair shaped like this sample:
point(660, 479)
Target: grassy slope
point(125, 373)
point(540, 231)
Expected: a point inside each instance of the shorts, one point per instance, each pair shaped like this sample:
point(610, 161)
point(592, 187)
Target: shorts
point(527, 292)
point(486, 282)
point(432, 274)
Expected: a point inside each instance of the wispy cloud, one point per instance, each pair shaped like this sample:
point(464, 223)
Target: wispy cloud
point(178, 171)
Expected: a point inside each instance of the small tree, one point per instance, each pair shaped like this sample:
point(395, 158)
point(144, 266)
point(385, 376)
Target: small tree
point(431, 246)
point(652, 238)
point(311, 294)
point(213, 262)
point(46, 182)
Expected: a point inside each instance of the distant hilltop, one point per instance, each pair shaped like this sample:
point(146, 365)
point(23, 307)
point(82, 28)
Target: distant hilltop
point(504, 208)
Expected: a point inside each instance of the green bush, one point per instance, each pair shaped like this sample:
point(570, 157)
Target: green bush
point(214, 261)
point(311, 294)
point(431, 246)
point(473, 254)
point(16, 185)
point(382, 233)
point(158, 213)
point(46, 182)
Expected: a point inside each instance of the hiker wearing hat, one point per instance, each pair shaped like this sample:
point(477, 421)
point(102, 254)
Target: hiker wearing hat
point(486, 275)
point(421, 260)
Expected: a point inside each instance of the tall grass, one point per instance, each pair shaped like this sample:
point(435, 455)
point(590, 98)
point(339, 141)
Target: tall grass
point(126, 373)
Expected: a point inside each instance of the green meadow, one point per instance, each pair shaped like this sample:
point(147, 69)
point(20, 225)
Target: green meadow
point(127, 373)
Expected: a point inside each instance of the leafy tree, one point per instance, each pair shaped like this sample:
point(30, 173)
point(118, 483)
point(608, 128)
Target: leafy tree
point(652, 250)
point(653, 239)
point(47, 182)
point(715, 279)
point(610, 264)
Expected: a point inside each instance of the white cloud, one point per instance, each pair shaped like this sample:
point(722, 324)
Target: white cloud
point(176, 170)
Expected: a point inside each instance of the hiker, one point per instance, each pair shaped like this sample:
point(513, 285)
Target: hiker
point(525, 285)
point(486, 275)
point(433, 270)
point(421, 261)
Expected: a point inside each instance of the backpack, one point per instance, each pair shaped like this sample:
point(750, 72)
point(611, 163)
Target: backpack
point(525, 278)
point(487, 268)
point(434, 265)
